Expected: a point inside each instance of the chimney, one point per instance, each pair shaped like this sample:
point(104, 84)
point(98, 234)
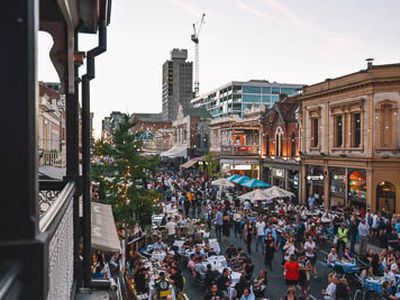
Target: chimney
point(369, 63)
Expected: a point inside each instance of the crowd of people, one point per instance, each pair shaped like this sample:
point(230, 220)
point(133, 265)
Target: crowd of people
point(199, 216)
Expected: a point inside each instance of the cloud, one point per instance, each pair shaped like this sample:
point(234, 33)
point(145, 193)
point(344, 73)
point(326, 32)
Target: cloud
point(249, 9)
point(187, 6)
point(339, 45)
point(285, 12)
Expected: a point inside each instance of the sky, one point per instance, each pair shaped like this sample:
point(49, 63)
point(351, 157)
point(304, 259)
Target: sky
point(288, 41)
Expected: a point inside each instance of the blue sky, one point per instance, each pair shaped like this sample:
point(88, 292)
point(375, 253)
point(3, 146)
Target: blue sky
point(289, 41)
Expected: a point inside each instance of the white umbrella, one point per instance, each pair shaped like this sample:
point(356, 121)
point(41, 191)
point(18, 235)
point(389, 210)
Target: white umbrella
point(256, 195)
point(277, 192)
point(222, 182)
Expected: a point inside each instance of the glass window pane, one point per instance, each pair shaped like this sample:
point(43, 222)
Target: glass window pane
point(288, 91)
point(251, 98)
point(276, 90)
point(357, 129)
point(266, 99)
point(266, 90)
point(274, 98)
point(252, 89)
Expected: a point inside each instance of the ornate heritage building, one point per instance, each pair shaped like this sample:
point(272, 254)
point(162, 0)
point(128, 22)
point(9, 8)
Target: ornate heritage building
point(351, 139)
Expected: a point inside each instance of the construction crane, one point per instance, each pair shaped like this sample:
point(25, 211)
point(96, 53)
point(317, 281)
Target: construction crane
point(195, 39)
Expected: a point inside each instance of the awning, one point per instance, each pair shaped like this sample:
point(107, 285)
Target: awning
point(191, 162)
point(175, 151)
point(104, 233)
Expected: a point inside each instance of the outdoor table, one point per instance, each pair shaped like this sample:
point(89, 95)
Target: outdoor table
point(158, 255)
point(347, 266)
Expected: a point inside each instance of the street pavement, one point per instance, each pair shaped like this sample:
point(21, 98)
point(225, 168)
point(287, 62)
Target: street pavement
point(276, 285)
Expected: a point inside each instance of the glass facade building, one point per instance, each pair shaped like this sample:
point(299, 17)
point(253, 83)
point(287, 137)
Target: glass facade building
point(236, 97)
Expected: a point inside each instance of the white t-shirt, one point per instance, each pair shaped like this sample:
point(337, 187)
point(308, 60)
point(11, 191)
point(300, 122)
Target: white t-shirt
point(260, 228)
point(309, 247)
point(171, 227)
point(331, 292)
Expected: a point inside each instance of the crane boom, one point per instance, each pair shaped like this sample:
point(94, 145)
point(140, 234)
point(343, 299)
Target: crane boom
point(195, 38)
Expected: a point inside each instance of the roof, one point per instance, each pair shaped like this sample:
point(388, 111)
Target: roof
point(198, 112)
point(150, 117)
point(44, 90)
point(51, 172)
point(285, 109)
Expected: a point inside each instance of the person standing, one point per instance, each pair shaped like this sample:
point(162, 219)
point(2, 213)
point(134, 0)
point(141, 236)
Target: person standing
point(248, 235)
point(260, 227)
point(291, 271)
point(171, 227)
point(218, 221)
point(342, 234)
point(353, 231)
point(311, 249)
point(269, 250)
point(363, 232)
point(226, 226)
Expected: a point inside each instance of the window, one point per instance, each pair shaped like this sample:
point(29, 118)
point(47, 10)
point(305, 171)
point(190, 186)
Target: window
point(266, 99)
point(276, 90)
point(266, 90)
point(251, 98)
point(338, 131)
point(386, 121)
point(267, 145)
point(252, 89)
point(293, 145)
point(279, 142)
point(314, 132)
point(274, 98)
point(289, 91)
point(356, 142)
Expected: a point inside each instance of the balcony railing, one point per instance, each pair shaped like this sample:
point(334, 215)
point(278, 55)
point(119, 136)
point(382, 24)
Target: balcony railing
point(240, 150)
point(57, 222)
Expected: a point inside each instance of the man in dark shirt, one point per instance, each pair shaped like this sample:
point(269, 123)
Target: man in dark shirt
point(210, 276)
point(214, 293)
point(176, 279)
point(140, 279)
point(224, 281)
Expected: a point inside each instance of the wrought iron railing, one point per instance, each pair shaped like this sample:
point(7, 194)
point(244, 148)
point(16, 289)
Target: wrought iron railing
point(57, 222)
point(240, 149)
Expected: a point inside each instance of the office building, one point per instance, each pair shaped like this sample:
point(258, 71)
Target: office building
point(235, 97)
point(177, 83)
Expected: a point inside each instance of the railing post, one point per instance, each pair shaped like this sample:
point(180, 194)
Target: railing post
point(19, 238)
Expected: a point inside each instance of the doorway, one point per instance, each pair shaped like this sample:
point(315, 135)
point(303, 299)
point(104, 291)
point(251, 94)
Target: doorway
point(386, 197)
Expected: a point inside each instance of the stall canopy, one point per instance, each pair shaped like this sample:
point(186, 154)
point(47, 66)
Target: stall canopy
point(277, 192)
point(256, 195)
point(222, 182)
point(255, 183)
point(234, 176)
point(104, 232)
point(190, 163)
point(241, 179)
point(175, 151)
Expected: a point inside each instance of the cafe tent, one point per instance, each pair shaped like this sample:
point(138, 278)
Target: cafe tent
point(222, 182)
point(277, 192)
point(234, 176)
point(256, 195)
point(240, 180)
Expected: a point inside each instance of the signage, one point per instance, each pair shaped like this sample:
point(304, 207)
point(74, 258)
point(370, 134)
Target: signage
point(338, 177)
point(241, 167)
point(243, 148)
point(315, 177)
point(278, 173)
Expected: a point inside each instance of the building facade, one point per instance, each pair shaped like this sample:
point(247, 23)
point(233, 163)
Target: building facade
point(236, 97)
point(237, 141)
point(51, 127)
point(192, 129)
point(110, 124)
point(280, 151)
point(350, 139)
point(177, 84)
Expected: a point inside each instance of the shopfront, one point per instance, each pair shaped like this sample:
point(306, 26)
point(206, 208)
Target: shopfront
point(315, 179)
point(250, 167)
point(357, 187)
point(293, 182)
point(337, 187)
point(278, 178)
point(386, 197)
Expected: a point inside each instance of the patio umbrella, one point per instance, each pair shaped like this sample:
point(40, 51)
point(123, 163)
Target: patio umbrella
point(222, 182)
point(277, 192)
point(256, 195)
point(255, 183)
point(234, 176)
point(241, 179)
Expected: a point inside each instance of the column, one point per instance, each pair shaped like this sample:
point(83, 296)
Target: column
point(371, 191)
point(302, 184)
point(326, 187)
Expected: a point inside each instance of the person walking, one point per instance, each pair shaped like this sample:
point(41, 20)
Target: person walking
point(260, 227)
point(218, 221)
point(269, 251)
point(226, 226)
point(363, 232)
point(291, 271)
point(353, 231)
point(248, 235)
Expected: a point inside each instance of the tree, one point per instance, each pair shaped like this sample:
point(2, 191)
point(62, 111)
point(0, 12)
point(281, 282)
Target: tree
point(210, 165)
point(122, 175)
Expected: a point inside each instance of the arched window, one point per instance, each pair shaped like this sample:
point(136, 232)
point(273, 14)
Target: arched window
point(386, 117)
point(293, 144)
point(279, 141)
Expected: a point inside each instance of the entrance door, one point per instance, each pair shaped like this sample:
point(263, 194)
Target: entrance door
point(386, 197)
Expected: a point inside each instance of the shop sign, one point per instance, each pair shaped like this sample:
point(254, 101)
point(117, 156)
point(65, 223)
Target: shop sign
point(243, 148)
point(338, 177)
point(241, 167)
point(315, 177)
point(278, 173)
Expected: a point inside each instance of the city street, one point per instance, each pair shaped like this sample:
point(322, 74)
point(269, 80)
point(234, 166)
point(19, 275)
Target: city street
point(276, 284)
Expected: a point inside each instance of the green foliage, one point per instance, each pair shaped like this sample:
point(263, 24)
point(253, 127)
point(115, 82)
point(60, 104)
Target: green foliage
point(211, 165)
point(122, 174)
